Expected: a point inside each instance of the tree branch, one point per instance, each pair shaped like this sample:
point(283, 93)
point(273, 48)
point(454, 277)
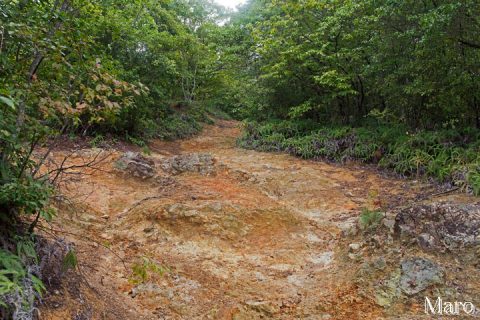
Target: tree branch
point(469, 44)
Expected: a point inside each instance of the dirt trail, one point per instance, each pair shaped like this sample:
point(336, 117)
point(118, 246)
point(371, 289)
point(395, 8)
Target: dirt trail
point(260, 236)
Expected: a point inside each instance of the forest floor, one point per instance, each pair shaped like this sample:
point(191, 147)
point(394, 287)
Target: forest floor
point(247, 235)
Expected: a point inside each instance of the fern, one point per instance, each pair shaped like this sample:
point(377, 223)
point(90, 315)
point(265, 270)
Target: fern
point(70, 260)
point(142, 271)
point(443, 154)
point(11, 272)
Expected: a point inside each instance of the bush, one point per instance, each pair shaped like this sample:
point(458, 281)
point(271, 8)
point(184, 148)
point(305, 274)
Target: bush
point(19, 283)
point(24, 200)
point(177, 126)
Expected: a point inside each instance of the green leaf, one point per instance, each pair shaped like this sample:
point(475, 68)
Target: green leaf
point(9, 102)
point(38, 285)
point(70, 260)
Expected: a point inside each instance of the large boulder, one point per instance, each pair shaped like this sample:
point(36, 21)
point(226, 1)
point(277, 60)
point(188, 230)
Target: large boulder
point(415, 275)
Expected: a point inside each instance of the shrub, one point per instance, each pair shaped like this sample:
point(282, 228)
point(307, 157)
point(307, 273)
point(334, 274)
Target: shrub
point(23, 197)
point(19, 285)
point(177, 126)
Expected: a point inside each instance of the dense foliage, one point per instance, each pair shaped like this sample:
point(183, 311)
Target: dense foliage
point(134, 69)
point(391, 82)
point(24, 199)
point(108, 66)
point(337, 61)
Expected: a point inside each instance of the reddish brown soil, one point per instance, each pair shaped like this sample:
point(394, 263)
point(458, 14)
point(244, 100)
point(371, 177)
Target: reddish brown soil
point(262, 238)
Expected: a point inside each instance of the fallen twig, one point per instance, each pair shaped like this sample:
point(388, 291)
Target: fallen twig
point(445, 192)
point(136, 204)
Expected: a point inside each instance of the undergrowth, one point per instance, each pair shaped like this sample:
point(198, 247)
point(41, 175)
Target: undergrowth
point(449, 156)
point(171, 126)
point(145, 269)
point(370, 219)
point(25, 196)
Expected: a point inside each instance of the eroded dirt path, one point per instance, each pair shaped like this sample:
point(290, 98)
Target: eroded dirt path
point(261, 235)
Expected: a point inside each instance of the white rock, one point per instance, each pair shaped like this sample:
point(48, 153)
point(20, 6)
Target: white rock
point(354, 247)
point(324, 259)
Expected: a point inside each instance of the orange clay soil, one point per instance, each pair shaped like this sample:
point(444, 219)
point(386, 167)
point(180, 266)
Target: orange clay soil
point(260, 238)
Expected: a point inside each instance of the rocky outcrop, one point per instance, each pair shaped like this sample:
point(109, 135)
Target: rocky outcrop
point(440, 225)
point(418, 274)
point(202, 163)
point(136, 165)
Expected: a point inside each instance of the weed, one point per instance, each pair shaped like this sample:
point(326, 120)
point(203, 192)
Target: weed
point(70, 260)
point(135, 140)
point(146, 269)
point(370, 219)
point(146, 150)
point(96, 141)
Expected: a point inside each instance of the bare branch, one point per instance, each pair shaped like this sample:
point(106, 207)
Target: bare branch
point(62, 169)
point(83, 237)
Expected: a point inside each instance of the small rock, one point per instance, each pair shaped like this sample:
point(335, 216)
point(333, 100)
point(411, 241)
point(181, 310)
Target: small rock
point(262, 307)
point(324, 259)
point(216, 206)
point(106, 217)
point(260, 276)
point(354, 256)
point(148, 229)
point(313, 238)
point(165, 181)
point(282, 267)
point(426, 242)
point(377, 240)
point(380, 263)
point(349, 227)
point(106, 236)
point(191, 213)
point(354, 247)
point(389, 223)
point(296, 280)
point(418, 274)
